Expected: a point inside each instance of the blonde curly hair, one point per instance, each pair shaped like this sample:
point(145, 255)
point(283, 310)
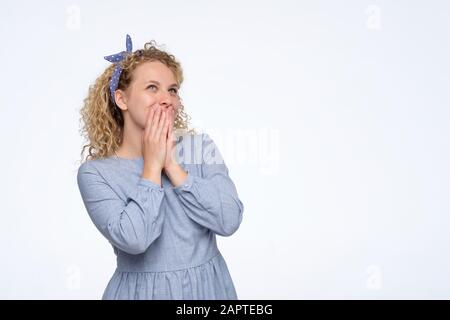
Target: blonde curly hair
point(102, 123)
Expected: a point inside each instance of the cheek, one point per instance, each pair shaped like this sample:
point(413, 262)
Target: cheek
point(146, 99)
point(142, 99)
point(139, 107)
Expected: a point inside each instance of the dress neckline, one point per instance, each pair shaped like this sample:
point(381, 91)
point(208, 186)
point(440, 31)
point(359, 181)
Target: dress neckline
point(127, 159)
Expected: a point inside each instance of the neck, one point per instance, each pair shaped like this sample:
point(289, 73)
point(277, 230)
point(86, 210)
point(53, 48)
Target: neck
point(131, 146)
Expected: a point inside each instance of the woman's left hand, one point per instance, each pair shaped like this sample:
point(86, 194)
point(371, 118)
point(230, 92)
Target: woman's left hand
point(170, 145)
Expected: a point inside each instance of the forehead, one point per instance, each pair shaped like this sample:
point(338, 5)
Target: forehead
point(153, 70)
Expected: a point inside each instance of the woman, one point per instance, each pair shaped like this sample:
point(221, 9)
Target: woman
point(159, 198)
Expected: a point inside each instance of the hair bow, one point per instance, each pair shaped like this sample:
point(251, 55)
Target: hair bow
point(116, 59)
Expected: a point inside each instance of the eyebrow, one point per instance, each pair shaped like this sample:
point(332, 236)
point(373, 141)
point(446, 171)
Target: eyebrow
point(154, 81)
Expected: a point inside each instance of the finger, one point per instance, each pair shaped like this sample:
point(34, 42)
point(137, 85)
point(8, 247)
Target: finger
point(170, 127)
point(174, 115)
point(169, 123)
point(170, 142)
point(172, 118)
point(161, 123)
point(149, 121)
point(169, 112)
point(161, 120)
point(172, 124)
point(155, 121)
point(166, 129)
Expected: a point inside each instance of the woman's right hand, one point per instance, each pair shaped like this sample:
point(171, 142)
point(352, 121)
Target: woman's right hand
point(154, 139)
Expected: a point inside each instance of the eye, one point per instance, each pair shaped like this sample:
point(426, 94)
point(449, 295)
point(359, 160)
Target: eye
point(175, 90)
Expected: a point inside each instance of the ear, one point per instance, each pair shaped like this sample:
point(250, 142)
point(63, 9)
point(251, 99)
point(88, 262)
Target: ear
point(121, 99)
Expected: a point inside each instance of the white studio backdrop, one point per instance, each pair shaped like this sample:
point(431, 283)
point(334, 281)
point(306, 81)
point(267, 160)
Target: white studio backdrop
point(332, 117)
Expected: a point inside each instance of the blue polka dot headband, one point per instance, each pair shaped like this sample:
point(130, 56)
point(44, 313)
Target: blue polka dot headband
point(116, 59)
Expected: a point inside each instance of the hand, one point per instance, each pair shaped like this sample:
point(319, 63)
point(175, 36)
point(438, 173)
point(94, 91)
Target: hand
point(154, 139)
point(170, 160)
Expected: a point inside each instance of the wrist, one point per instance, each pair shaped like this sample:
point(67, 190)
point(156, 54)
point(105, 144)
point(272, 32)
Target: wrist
point(171, 167)
point(152, 173)
point(176, 174)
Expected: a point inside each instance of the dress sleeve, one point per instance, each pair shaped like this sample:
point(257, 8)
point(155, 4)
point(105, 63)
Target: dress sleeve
point(130, 226)
point(212, 200)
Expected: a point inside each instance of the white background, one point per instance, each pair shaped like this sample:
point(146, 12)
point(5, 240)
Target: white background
point(333, 118)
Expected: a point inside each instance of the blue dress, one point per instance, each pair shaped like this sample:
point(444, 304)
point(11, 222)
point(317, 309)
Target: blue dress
point(165, 237)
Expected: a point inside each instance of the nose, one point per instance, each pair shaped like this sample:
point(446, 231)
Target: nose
point(165, 101)
point(167, 106)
